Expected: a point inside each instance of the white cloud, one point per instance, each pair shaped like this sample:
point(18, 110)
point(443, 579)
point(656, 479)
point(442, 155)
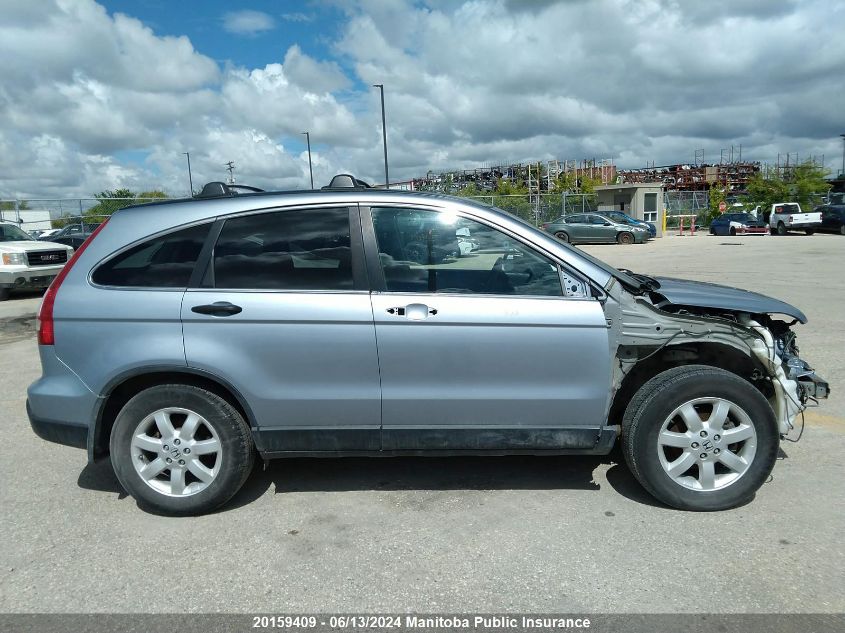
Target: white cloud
point(248, 22)
point(466, 83)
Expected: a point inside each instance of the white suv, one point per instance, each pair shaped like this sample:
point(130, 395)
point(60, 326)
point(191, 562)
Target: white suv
point(26, 263)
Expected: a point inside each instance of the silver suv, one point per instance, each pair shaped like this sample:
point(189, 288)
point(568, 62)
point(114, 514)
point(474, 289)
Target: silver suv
point(186, 337)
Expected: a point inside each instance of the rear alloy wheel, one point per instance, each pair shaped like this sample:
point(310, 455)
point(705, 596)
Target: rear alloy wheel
point(781, 228)
point(700, 438)
point(180, 450)
point(563, 236)
point(625, 238)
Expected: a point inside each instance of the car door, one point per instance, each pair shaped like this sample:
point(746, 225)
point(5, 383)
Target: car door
point(484, 351)
point(578, 227)
point(601, 230)
point(283, 315)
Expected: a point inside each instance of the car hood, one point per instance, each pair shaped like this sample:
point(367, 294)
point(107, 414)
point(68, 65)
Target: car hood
point(21, 246)
point(682, 292)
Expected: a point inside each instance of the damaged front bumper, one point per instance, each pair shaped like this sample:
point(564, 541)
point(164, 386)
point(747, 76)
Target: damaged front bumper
point(794, 382)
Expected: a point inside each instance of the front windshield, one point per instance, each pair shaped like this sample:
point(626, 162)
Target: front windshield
point(610, 270)
point(11, 233)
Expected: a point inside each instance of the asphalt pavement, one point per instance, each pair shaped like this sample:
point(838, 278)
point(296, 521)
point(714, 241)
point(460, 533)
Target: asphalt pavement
point(522, 534)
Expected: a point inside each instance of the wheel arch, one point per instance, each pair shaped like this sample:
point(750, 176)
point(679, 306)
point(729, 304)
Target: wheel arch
point(122, 388)
point(711, 354)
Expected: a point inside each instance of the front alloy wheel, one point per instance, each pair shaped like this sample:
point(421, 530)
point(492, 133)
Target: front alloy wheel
point(700, 438)
point(706, 444)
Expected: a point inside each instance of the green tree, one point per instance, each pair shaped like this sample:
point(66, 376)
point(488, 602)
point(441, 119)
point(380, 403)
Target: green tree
point(809, 184)
point(805, 184)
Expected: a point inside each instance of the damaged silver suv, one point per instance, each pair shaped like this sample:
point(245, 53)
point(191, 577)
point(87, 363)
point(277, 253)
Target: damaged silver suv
point(185, 338)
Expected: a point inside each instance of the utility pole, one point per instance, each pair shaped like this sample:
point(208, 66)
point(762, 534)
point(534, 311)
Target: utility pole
point(190, 178)
point(384, 135)
point(842, 173)
point(230, 167)
point(310, 170)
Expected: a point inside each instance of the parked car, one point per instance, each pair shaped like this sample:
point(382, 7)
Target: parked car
point(70, 230)
point(738, 224)
point(833, 218)
point(581, 228)
point(73, 240)
point(186, 337)
point(624, 218)
point(25, 263)
point(787, 216)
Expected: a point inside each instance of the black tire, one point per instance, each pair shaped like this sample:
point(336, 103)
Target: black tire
point(712, 231)
point(658, 398)
point(809, 231)
point(562, 235)
point(4, 294)
point(237, 452)
point(842, 230)
point(733, 231)
point(625, 238)
point(781, 228)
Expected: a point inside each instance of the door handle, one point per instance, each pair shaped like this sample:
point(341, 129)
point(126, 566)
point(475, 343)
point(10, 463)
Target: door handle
point(413, 311)
point(218, 308)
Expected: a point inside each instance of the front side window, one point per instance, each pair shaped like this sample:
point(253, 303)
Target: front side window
point(431, 252)
point(304, 249)
point(166, 261)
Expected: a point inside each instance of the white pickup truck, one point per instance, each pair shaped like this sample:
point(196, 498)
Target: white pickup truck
point(26, 263)
point(787, 216)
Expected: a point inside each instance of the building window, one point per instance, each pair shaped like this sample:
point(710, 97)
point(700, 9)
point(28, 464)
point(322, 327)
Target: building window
point(650, 207)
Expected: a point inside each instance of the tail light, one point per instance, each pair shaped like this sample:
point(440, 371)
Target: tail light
point(46, 332)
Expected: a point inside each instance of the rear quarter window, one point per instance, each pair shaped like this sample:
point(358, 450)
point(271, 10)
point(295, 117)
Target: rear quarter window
point(166, 261)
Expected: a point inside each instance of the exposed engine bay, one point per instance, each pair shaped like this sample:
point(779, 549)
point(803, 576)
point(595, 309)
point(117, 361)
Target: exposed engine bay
point(736, 331)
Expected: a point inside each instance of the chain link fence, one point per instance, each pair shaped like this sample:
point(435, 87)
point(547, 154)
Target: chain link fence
point(538, 209)
point(686, 203)
point(39, 214)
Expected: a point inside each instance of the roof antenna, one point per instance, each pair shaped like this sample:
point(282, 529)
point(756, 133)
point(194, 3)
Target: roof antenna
point(230, 167)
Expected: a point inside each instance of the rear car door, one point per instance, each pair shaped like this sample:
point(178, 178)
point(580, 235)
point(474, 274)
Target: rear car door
point(283, 315)
point(483, 351)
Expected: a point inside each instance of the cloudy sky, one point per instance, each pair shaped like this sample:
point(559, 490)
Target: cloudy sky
point(101, 95)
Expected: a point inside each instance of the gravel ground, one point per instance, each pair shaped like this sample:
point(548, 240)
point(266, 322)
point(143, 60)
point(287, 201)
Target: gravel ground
point(550, 534)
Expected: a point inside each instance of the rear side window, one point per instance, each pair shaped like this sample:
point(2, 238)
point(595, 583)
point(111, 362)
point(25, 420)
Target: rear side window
point(166, 261)
point(306, 249)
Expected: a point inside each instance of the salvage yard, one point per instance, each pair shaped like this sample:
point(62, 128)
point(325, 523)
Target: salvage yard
point(551, 534)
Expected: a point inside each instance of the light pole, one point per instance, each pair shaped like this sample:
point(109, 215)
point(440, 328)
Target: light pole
point(310, 170)
point(190, 178)
point(843, 155)
point(384, 134)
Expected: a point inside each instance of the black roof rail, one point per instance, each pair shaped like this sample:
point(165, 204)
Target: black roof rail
point(347, 181)
point(222, 190)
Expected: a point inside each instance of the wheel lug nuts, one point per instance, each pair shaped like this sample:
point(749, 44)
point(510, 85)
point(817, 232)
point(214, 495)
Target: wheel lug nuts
point(177, 442)
point(187, 451)
point(717, 451)
point(703, 434)
point(181, 462)
point(704, 456)
point(694, 444)
point(169, 461)
point(166, 447)
point(717, 437)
